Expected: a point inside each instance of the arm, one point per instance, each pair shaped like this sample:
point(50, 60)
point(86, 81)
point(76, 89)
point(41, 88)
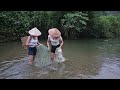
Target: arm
point(48, 43)
point(61, 42)
point(38, 42)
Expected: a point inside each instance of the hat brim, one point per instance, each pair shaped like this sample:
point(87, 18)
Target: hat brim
point(35, 32)
point(54, 32)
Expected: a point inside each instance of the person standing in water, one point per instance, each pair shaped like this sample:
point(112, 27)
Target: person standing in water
point(32, 42)
point(54, 40)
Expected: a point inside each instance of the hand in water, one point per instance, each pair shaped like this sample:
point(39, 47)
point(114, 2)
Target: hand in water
point(59, 49)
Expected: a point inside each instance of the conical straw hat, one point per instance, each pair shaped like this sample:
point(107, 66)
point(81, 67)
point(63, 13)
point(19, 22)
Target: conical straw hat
point(54, 32)
point(35, 32)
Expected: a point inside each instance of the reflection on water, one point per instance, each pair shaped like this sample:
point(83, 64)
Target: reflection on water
point(86, 59)
point(12, 50)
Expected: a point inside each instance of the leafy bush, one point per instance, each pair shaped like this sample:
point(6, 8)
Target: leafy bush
point(107, 26)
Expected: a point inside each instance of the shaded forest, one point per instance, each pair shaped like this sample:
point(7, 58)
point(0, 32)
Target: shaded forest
point(72, 24)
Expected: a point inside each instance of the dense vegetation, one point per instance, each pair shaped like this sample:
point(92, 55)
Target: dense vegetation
point(72, 24)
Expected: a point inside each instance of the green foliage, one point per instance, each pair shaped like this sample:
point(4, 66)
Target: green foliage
point(74, 23)
point(16, 23)
point(107, 26)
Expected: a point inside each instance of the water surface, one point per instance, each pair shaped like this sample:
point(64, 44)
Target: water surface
point(86, 59)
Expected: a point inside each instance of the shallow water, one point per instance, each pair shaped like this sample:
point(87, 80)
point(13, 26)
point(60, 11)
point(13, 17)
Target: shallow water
point(86, 59)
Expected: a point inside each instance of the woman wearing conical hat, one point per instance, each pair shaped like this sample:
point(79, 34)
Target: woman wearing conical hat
point(54, 40)
point(32, 42)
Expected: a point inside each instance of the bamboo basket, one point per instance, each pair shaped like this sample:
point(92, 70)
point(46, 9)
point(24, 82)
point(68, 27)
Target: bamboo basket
point(23, 40)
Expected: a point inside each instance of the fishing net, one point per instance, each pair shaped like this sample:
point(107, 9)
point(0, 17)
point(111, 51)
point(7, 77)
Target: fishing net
point(59, 55)
point(43, 57)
